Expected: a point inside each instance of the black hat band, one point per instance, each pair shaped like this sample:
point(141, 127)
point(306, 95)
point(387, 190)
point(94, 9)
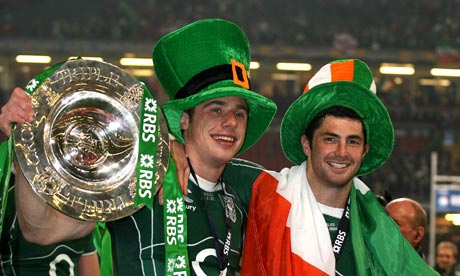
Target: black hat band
point(234, 71)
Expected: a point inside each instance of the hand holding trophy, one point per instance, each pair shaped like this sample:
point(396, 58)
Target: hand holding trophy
point(84, 152)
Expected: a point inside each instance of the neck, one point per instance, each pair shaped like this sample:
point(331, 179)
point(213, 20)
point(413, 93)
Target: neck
point(207, 170)
point(330, 195)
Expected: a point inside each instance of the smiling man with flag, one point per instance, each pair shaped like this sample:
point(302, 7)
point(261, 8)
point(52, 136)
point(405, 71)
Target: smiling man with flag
point(318, 218)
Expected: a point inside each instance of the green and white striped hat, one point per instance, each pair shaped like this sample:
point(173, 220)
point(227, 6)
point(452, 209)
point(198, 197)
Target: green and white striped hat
point(348, 83)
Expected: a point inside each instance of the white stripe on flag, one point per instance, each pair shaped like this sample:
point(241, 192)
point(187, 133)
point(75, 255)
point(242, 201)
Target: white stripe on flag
point(310, 238)
point(323, 76)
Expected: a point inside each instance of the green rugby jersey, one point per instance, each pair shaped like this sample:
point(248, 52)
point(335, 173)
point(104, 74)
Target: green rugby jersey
point(138, 240)
point(20, 257)
point(345, 265)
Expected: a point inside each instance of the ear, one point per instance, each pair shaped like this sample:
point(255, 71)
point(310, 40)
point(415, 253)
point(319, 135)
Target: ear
point(184, 121)
point(305, 145)
point(419, 234)
point(366, 149)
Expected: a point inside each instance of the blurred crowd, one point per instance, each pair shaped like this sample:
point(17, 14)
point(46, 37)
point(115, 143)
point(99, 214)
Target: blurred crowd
point(376, 24)
point(425, 117)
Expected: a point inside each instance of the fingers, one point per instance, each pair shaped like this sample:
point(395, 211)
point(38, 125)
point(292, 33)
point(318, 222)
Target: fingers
point(5, 126)
point(18, 110)
point(160, 196)
point(184, 182)
point(182, 167)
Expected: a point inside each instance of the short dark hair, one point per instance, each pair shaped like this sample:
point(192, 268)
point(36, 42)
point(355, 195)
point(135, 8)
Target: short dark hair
point(336, 111)
point(190, 111)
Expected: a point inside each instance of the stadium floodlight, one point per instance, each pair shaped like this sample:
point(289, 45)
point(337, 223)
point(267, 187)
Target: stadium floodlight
point(292, 66)
point(254, 65)
point(284, 77)
point(128, 61)
point(454, 218)
point(397, 69)
point(434, 82)
point(445, 72)
point(33, 59)
point(88, 58)
point(141, 72)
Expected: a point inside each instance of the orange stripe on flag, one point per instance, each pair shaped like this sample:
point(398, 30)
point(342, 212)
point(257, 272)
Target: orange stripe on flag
point(342, 71)
point(305, 90)
point(301, 267)
point(267, 247)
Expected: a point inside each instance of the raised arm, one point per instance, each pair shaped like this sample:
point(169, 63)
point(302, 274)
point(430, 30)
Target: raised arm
point(39, 222)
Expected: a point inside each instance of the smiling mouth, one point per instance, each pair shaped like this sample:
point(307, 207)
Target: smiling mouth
point(224, 138)
point(337, 165)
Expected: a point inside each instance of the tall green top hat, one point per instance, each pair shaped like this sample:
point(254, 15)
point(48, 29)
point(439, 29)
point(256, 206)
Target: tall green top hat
point(347, 83)
point(205, 60)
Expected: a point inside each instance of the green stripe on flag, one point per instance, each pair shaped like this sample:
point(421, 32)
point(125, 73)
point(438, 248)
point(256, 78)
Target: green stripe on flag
point(378, 245)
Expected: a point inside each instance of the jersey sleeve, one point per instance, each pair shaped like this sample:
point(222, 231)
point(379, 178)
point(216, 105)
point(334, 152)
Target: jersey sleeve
point(241, 174)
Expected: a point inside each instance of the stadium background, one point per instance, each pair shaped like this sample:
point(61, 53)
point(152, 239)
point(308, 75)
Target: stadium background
point(426, 34)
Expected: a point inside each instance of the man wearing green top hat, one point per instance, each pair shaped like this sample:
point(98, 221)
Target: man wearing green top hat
point(203, 67)
point(318, 217)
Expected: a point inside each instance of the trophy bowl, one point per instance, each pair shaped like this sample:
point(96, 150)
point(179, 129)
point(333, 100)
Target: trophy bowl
point(80, 153)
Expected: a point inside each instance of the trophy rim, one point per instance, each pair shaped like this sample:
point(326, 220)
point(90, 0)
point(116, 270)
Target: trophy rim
point(80, 153)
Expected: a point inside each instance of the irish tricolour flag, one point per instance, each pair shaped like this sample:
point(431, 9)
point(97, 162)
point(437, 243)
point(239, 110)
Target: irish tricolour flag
point(287, 233)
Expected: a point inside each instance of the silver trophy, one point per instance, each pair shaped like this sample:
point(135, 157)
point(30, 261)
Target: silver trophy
point(80, 152)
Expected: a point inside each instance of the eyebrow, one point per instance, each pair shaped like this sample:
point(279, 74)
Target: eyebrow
point(336, 135)
point(223, 103)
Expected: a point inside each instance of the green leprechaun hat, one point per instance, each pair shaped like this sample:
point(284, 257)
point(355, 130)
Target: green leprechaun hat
point(347, 83)
point(205, 60)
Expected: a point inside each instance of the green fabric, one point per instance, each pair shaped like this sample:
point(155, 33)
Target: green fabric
point(20, 257)
point(199, 46)
point(175, 223)
point(147, 151)
point(103, 244)
point(379, 247)
point(353, 95)
point(142, 251)
point(6, 159)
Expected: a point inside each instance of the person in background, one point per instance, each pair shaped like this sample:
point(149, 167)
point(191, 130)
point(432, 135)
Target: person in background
point(318, 217)
point(19, 256)
point(411, 218)
point(446, 259)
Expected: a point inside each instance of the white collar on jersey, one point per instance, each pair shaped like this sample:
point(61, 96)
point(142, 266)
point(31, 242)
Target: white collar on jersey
point(206, 185)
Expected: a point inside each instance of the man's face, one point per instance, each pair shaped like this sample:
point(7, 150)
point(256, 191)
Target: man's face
point(445, 258)
point(337, 150)
point(216, 130)
point(401, 213)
